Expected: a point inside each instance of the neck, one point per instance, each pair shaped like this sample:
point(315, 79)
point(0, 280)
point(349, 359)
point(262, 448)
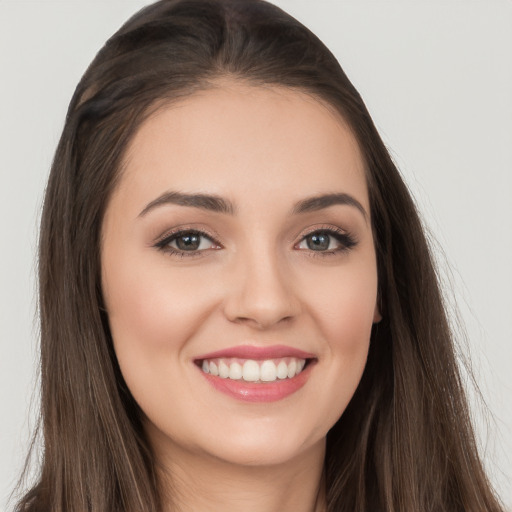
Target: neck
point(201, 483)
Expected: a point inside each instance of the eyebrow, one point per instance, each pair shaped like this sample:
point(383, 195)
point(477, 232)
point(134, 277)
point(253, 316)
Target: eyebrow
point(204, 201)
point(316, 203)
point(218, 204)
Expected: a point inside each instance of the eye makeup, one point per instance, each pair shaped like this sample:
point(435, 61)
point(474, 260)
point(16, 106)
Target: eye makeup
point(326, 241)
point(193, 242)
point(187, 242)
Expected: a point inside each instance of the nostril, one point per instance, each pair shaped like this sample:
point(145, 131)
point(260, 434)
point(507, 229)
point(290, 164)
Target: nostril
point(261, 298)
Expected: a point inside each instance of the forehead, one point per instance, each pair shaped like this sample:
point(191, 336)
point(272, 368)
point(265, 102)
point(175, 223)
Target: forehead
point(235, 139)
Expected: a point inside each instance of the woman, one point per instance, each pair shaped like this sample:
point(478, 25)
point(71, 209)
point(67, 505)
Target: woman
point(238, 305)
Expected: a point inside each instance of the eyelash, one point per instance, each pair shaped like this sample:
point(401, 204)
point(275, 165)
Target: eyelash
point(345, 239)
point(164, 243)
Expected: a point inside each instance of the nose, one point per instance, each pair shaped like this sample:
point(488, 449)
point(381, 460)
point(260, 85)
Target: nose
point(261, 293)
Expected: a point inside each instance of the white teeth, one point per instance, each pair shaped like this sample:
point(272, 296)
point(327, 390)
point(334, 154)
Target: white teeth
point(251, 371)
point(213, 369)
point(223, 370)
point(254, 371)
point(282, 370)
point(268, 371)
point(235, 371)
point(292, 367)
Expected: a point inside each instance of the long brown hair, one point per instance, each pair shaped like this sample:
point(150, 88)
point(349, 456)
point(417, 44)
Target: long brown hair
point(405, 441)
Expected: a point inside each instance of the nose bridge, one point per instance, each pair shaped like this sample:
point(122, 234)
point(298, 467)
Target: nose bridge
point(262, 289)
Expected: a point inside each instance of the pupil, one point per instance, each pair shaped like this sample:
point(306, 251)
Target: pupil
point(188, 242)
point(318, 242)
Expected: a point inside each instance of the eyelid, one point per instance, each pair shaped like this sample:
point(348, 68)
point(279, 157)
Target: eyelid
point(344, 237)
point(161, 241)
point(186, 228)
point(329, 228)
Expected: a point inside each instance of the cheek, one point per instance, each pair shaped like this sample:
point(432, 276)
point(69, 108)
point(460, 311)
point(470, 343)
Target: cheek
point(152, 310)
point(343, 304)
point(153, 314)
point(342, 307)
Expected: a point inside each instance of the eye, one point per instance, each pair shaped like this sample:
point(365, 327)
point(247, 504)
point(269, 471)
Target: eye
point(327, 240)
point(189, 241)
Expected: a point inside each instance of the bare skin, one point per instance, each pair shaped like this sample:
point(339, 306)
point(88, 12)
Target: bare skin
point(279, 254)
point(295, 486)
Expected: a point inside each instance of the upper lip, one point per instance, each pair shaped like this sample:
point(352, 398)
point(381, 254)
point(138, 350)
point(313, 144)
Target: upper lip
point(258, 353)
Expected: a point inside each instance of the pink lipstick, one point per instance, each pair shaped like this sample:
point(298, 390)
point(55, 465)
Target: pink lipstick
point(257, 374)
point(258, 353)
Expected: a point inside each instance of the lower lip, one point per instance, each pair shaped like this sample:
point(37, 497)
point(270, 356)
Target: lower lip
point(259, 392)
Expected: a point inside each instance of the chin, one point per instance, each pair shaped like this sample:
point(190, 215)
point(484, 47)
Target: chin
point(270, 453)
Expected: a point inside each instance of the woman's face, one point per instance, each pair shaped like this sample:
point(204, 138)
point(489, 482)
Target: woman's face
point(239, 273)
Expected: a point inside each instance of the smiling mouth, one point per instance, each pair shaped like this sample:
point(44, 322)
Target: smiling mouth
point(257, 374)
point(253, 370)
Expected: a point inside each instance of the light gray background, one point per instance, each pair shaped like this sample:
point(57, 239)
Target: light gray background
point(437, 78)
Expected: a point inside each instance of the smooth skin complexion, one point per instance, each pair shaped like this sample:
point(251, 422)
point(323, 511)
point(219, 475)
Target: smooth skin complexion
point(241, 222)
